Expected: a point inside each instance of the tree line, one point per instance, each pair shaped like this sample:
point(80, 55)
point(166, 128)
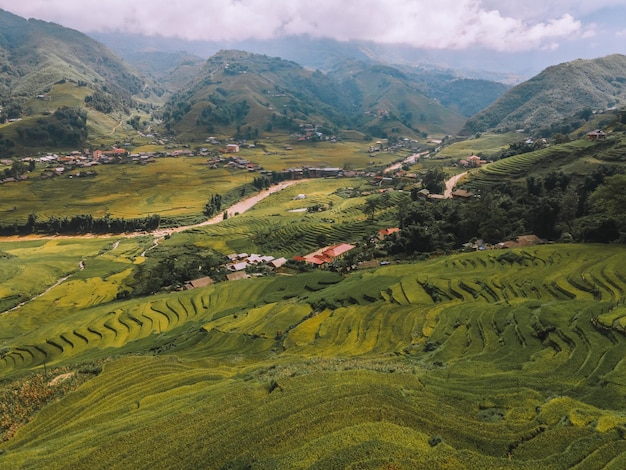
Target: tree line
point(551, 207)
point(80, 224)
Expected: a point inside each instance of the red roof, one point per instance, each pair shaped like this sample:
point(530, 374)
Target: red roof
point(338, 250)
point(388, 231)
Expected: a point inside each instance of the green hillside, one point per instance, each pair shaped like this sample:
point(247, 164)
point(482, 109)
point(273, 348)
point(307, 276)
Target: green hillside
point(391, 100)
point(251, 94)
point(36, 59)
point(557, 93)
point(482, 360)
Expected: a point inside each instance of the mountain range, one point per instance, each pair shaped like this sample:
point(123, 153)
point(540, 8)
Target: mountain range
point(338, 86)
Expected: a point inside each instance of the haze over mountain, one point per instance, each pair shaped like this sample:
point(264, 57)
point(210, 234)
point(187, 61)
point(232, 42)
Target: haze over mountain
point(503, 36)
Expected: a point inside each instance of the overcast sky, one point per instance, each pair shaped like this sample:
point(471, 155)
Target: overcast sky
point(597, 27)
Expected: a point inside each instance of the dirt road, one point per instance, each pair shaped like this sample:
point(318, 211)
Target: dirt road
point(237, 208)
point(451, 183)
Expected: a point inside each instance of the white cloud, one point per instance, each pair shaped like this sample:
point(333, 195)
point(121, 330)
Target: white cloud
point(505, 25)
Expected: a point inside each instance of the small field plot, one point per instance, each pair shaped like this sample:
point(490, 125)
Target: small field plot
point(351, 155)
point(485, 145)
point(29, 267)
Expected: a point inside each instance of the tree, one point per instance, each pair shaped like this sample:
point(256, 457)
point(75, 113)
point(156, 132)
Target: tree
point(569, 206)
point(371, 204)
point(610, 199)
point(213, 206)
point(435, 180)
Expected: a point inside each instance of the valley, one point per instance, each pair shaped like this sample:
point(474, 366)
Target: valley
point(246, 262)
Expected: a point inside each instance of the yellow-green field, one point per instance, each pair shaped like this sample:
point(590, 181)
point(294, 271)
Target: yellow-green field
point(349, 154)
point(486, 144)
point(496, 359)
point(278, 226)
point(169, 187)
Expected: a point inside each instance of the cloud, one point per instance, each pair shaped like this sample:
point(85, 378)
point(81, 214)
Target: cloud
point(504, 25)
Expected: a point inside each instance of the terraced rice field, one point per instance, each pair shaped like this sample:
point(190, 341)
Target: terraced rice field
point(501, 359)
point(271, 228)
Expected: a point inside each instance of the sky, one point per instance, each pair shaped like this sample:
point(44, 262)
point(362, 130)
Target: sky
point(589, 28)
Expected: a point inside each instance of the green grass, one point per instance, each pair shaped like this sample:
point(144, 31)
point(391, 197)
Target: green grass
point(577, 158)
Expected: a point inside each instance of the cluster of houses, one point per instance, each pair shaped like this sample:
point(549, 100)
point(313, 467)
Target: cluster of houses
point(473, 161)
point(77, 163)
point(398, 144)
point(237, 266)
point(328, 254)
point(309, 132)
point(234, 163)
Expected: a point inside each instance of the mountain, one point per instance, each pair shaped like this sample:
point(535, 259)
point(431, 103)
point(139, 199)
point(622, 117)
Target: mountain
point(38, 58)
point(557, 93)
point(389, 98)
point(258, 93)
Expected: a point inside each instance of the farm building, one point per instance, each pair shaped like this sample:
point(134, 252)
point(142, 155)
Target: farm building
point(237, 276)
point(325, 255)
point(200, 282)
point(386, 232)
point(596, 135)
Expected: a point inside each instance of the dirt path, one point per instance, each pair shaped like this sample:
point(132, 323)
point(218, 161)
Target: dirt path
point(21, 304)
point(451, 183)
point(114, 130)
point(237, 208)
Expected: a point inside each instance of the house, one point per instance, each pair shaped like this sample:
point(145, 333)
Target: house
point(473, 161)
point(277, 263)
point(241, 266)
point(98, 154)
point(337, 250)
point(200, 282)
point(237, 276)
point(325, 255)
point(232, 148)
point(596, 135)
point(386, 232)
point(423, 193)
